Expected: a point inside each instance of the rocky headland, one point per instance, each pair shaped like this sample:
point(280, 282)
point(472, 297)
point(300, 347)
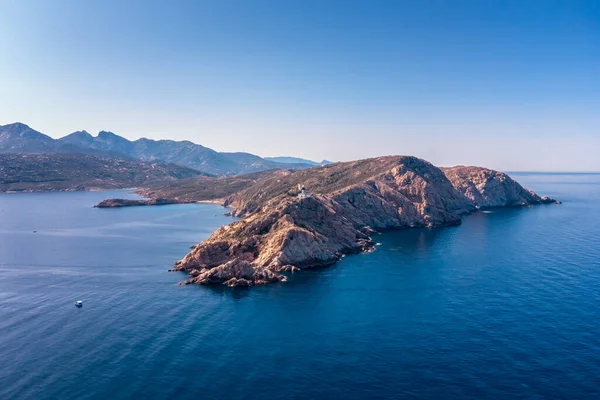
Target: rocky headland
point(292, 220)
point(116, 203)
point(487, 188)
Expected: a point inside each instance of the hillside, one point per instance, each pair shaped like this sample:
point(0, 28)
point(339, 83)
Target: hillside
point(20, 138)
point(206, 188)
point(56, 172)
point(283, 228)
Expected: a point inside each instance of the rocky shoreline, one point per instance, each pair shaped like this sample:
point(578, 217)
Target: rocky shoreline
point(312, 218)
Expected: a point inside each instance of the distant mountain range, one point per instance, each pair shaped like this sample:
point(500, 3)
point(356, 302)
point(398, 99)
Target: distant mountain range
point(296, 160)
point(20, 138)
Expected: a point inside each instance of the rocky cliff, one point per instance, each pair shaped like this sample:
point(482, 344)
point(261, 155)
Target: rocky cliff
point(489, 189)
point(284, 228)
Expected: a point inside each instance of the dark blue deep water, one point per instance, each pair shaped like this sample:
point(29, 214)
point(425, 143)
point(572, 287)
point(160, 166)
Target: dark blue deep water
point(505, 306)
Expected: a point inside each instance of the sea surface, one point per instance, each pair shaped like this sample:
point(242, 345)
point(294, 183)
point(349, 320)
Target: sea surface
point(507, 305)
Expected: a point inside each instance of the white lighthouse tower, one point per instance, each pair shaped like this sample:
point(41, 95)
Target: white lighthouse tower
point(303, 193)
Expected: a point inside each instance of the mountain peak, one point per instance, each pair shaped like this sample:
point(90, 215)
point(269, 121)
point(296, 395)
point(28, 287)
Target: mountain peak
point(77, 138)
point(107, 134)
point(111, 137)
point(83, 133)
point(15, 127)
point(19, 137)
point(19, 129)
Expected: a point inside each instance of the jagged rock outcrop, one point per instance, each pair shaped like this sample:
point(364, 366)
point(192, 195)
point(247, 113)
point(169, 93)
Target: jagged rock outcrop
point(236, 272)
point(280, 231)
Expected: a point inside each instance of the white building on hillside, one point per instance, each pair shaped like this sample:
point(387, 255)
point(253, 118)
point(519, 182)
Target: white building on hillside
point(303, 193)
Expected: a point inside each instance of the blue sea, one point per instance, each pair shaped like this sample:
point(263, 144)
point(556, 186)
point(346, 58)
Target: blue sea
point(507, 305)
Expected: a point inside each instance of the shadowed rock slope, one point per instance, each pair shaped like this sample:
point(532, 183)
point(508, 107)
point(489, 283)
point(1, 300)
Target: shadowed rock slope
point(281, 230)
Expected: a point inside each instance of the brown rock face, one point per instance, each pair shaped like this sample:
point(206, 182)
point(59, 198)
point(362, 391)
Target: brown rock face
point(281, 231)
point(489, 189)
point(234, 273)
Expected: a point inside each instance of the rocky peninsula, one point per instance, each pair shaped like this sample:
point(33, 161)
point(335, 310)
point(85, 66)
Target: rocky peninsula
point(292, 220)
point(116, 203)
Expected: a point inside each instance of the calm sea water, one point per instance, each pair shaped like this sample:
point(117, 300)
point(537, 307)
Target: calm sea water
point(505, 306)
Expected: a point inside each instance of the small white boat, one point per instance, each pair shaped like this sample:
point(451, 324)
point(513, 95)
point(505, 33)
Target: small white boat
point(79, 303)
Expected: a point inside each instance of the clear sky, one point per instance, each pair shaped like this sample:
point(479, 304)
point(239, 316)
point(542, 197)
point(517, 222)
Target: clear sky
point(513, 85)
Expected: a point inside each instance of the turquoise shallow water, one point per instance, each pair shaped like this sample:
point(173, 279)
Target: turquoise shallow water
point(504, 306)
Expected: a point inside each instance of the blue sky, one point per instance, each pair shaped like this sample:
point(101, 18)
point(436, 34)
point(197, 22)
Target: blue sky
point(513, 85)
